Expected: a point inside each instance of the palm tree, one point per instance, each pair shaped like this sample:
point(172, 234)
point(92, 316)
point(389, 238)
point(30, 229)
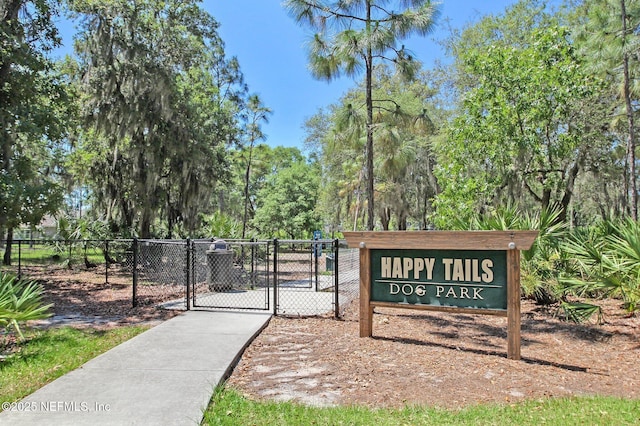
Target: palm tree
point(256, 113)
point(351, 35)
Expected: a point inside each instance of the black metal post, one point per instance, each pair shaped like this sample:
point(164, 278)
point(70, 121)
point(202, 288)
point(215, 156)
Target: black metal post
point(275, 276)
point(19, 259)
point(135, 272)
point(188, 272)
point(267, 272)
point(253, 263)
point(310, 265)
point(193, 268)
point(106, 261)
point(193, 284)
point(336, 277)
point(315, 250)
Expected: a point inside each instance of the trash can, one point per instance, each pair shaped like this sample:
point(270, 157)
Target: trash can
point(220, 263)
point(329, 263)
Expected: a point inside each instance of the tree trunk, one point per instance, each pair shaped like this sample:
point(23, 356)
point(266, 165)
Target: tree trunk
point(9, 12)
point(385, 218)
point(247, 175)
point(145, 193)
point(631, 141)
point(145, 224)
point(170, 218)
point(546, 197)
point(369, 148)
point(402, 220)
point(221, 202)
point(6, 260)
point(568, 192)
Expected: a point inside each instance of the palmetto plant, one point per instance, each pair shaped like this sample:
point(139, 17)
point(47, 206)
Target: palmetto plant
point(543, 261)
point(20, 300)
point(222, 226)
point(606, 262)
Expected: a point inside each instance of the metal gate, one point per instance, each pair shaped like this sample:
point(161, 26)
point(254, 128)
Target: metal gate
point(231, 274)
point(306, 279)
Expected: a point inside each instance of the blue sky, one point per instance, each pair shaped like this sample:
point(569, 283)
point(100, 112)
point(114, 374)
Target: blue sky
point(271, 49)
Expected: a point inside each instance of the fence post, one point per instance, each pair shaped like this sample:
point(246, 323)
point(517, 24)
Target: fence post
point(267, 270)
point(194, 276)
point(106, 262)
point(336, 277)
point(135, 272)
point(315, 249)
point(188, 274)
point(19, 259)
point(253, 263)
point(275, 276)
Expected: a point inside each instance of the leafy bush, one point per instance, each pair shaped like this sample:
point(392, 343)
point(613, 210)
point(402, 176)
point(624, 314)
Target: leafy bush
point(222, 226)
point(20, 300)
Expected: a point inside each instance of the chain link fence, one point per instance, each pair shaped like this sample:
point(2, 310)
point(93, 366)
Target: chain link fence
point(109, 260)
point(287, 277)
point(161, 270)
point(347, 268)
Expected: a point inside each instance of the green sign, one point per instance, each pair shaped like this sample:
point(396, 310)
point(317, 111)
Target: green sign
point(460, 278)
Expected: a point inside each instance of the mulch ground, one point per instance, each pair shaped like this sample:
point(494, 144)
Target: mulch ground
point(440, 359)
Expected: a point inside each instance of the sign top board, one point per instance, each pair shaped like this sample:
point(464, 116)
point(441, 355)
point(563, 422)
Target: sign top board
point(442, 240)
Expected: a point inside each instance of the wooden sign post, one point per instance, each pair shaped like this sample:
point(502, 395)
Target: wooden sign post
point(476, 272)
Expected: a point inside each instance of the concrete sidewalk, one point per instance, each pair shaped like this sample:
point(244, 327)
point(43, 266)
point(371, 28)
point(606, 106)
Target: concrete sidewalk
point(164, 376)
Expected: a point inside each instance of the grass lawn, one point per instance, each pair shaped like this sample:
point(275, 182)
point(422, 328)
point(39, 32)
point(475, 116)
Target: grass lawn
point(44, 253)
point(48, 354)
point(227, 407)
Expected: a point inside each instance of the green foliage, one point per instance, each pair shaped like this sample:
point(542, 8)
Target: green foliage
point(73, 234)
point(529, 121)
point(256, 113)
point(26, 194)
point(160, 100)
point(34, 111)
point(20, 301)
point(580, 312)
point(266, 162)
point(404, 124)
point(608, 36)
point(228, 407)
point(286, 204)
point(221, 226)
point(605, 262)
point(374, 27)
